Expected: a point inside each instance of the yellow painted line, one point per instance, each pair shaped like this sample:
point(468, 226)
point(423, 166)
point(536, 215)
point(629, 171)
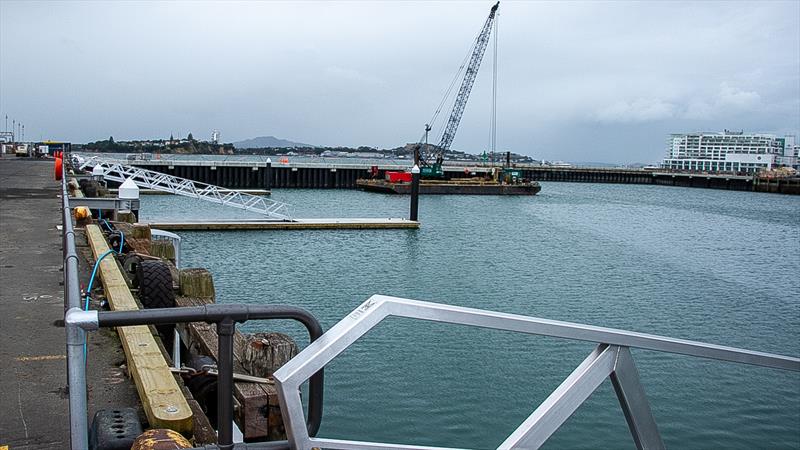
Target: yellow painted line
point(38, 358)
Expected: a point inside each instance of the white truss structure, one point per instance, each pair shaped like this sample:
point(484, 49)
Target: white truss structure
point(148, 179)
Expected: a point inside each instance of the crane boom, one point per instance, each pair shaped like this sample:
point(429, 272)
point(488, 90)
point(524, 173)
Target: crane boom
point(469, 79)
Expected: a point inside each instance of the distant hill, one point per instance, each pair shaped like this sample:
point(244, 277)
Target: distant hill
point(268, 141)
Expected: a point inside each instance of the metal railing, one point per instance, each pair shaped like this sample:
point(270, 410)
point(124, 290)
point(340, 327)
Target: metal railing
point(225, 317)
point(77, 322)
point(149, 179)
point(611, 358)
point(76, 336)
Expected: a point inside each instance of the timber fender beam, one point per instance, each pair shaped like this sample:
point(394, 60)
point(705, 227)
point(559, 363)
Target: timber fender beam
point(161, 397)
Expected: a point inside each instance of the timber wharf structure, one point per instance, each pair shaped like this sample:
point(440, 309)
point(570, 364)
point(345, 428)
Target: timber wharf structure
point(241, 174)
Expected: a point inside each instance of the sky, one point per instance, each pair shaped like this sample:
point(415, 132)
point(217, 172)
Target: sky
point(577, 81)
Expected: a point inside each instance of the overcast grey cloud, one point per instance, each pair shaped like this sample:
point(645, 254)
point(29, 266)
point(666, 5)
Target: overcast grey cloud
point(578, 81)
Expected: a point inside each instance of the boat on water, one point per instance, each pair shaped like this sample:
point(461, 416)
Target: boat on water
point(500, 181)
point(466, 186)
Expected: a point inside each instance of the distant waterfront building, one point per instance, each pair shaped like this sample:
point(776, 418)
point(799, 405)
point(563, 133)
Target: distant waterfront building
point(729, 151)
point(215, 137)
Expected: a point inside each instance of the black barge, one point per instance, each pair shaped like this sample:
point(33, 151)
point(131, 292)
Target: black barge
point(470, 186)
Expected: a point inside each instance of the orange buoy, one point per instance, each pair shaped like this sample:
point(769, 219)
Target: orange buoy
point(58, 167)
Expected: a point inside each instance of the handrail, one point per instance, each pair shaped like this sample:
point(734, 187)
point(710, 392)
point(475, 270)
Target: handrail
point(225, 317)
point(611, 358)
point(76, 337)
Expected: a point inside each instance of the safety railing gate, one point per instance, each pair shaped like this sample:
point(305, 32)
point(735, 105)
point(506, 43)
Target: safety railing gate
point(610, 359)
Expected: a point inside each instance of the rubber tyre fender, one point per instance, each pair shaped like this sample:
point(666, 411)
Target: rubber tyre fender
point(114, 238)
point(130, 265)
point(155, 284)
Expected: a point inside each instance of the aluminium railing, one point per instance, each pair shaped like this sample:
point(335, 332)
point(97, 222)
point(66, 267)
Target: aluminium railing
point(612, 358)
point(150, 179)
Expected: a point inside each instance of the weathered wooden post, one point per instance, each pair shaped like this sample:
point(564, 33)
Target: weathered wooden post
point(264, 353)
point(197, 283)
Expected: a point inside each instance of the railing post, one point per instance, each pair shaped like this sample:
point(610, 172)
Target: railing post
point(76, 367)
point(633, 401)
point(225, 331)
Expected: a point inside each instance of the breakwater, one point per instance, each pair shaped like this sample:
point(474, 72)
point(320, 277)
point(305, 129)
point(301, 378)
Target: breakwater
point(321, 175)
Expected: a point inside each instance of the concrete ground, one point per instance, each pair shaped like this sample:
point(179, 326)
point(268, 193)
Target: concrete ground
point(33, 395)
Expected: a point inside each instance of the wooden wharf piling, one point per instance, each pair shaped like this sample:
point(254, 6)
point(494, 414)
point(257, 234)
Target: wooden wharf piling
point(256, 408)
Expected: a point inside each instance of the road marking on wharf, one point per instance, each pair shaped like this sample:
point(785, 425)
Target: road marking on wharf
point(40, 358)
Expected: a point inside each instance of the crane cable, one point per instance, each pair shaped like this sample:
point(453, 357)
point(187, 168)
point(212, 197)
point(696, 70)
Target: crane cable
point(493, 116)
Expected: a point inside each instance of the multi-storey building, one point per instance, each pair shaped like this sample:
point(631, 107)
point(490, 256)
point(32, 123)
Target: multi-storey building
point(728, 151)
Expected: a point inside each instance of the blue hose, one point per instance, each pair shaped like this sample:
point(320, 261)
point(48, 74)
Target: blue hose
point(91, 279)
point(94, 273)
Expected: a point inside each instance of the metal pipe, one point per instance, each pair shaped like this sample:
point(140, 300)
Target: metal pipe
point(76, 335)
point(216, 313)
point(76, 374)
point(176, 349)
point(225, 331)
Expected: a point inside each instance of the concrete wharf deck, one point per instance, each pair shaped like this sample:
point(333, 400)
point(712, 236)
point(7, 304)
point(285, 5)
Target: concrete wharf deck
point(32, 354)
point(297, 224)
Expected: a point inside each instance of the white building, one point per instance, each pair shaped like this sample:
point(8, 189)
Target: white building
point(215, 137)
point(728, 151)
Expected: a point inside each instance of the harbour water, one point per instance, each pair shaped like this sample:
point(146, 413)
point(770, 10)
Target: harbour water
point(709, 265)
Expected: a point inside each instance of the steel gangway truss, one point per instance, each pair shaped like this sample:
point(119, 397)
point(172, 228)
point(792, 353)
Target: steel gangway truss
point(149, 179)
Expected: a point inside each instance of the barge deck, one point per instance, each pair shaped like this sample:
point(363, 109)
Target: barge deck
point(451, 187)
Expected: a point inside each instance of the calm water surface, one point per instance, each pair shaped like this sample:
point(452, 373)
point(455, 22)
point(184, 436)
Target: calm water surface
point(715, 266)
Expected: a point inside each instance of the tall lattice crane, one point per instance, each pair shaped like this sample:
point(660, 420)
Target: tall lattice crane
point(434, 169)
